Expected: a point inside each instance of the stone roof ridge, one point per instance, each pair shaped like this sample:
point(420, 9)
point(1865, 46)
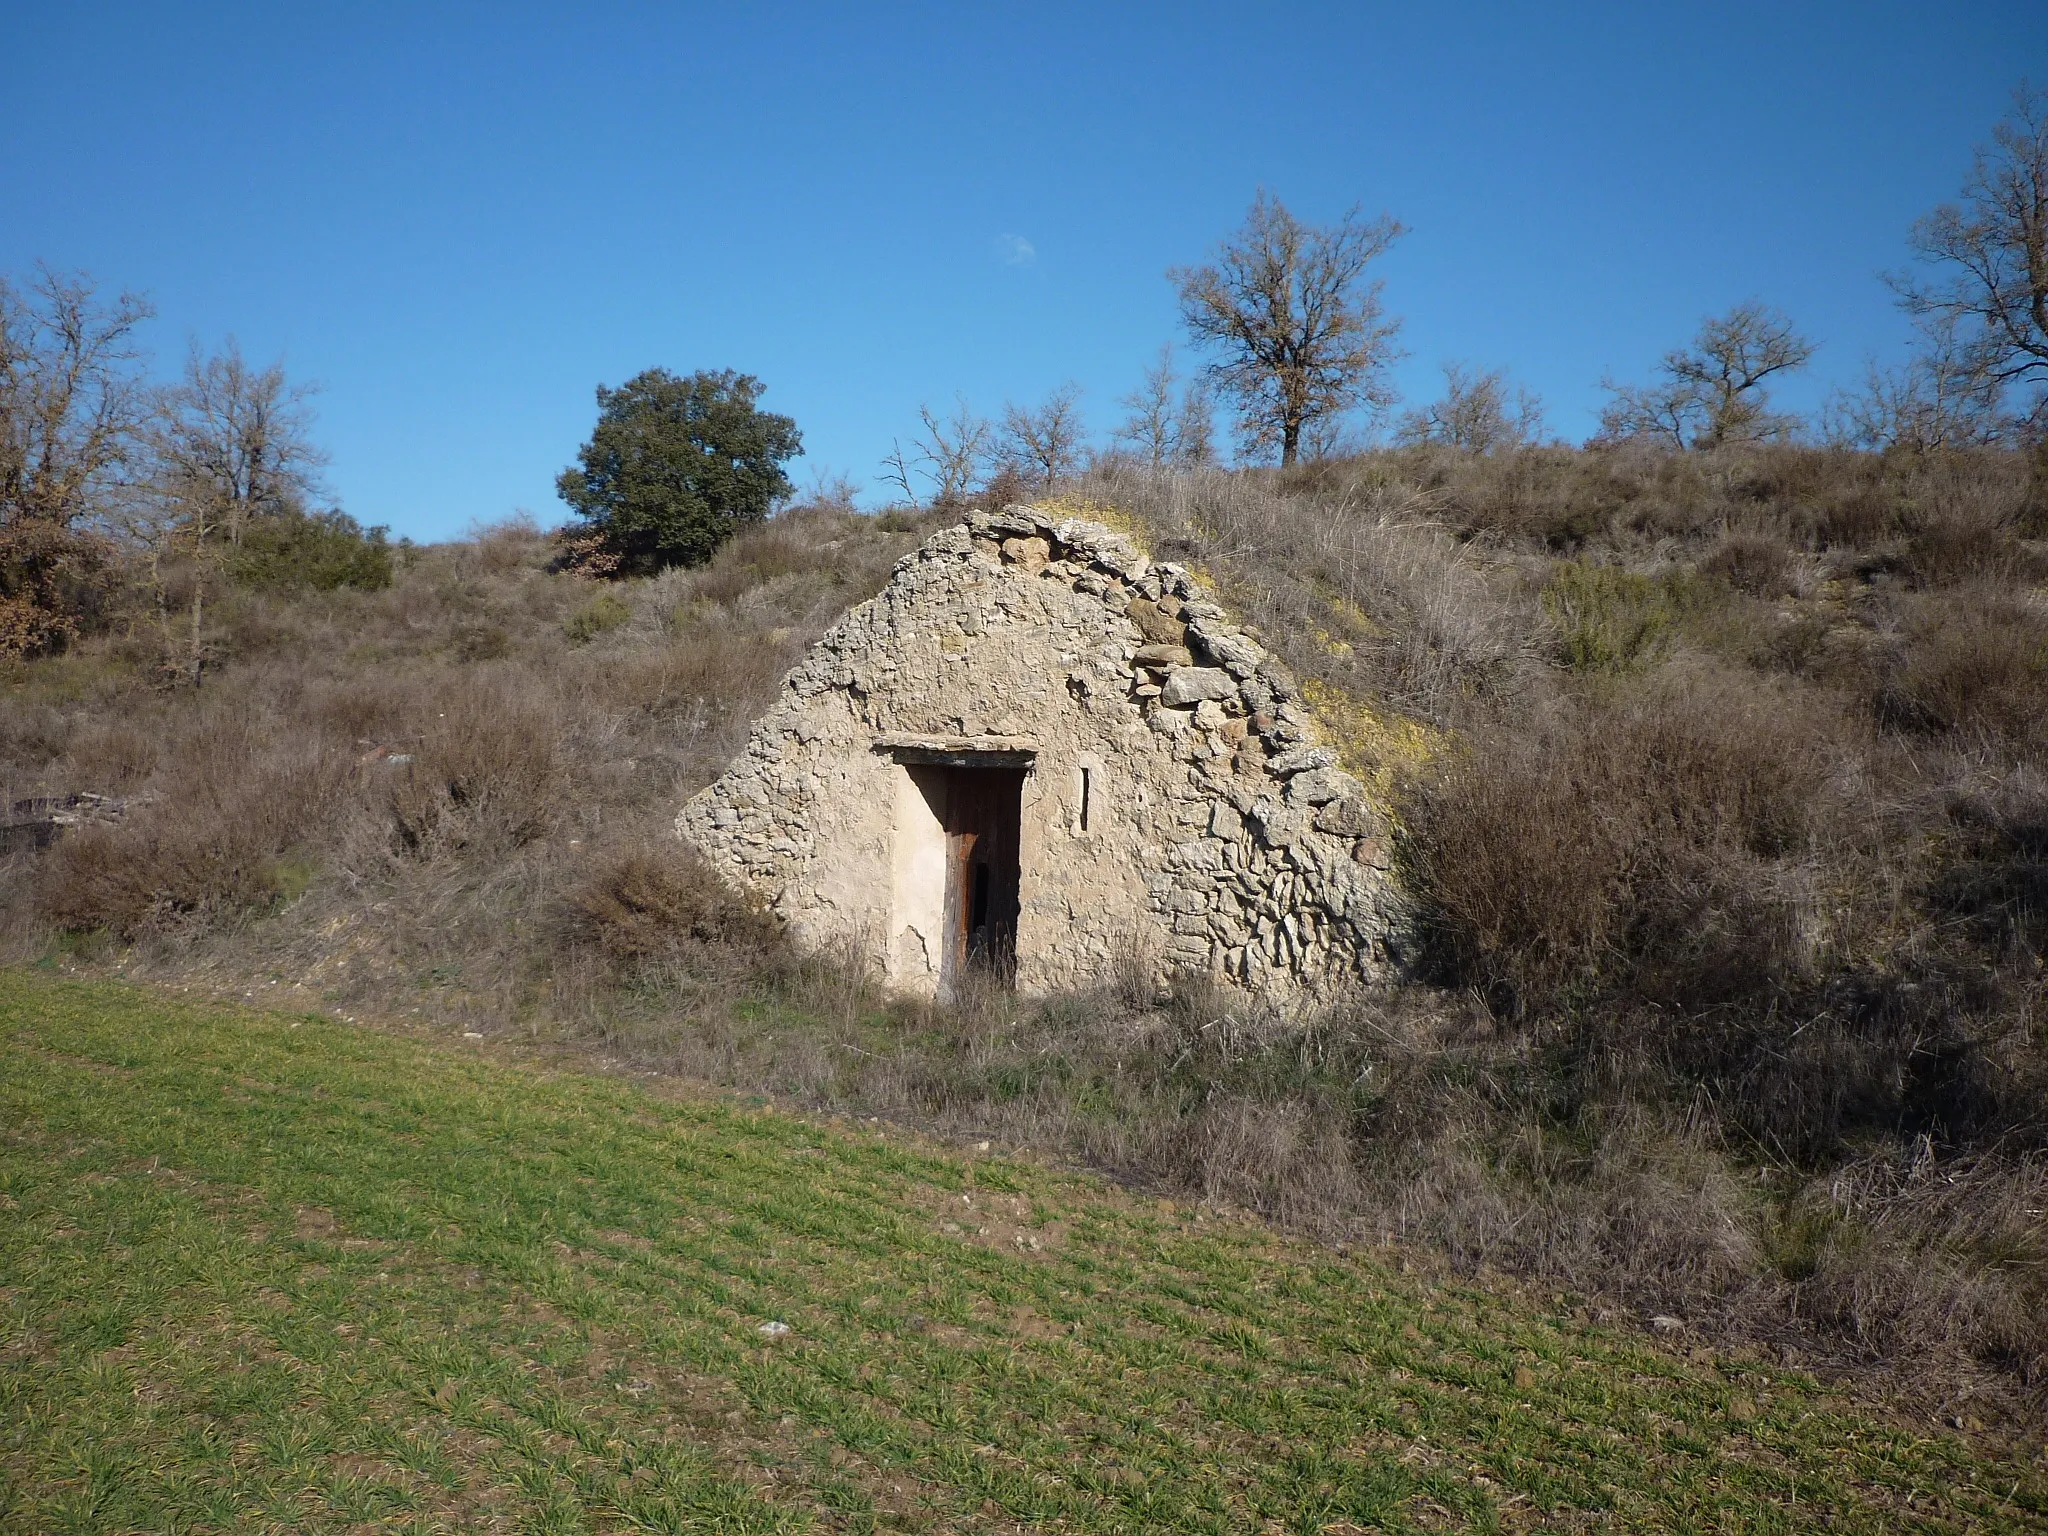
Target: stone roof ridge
point(1189, 647)
point(1097, 558)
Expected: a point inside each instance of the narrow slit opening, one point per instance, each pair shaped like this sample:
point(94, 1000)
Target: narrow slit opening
point(1086, 786)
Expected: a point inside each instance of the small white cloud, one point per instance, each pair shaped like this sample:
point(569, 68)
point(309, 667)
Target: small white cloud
point(1015, 250)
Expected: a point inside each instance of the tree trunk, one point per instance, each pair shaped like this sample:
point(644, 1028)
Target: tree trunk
point(198, 653)
point(1290, 442)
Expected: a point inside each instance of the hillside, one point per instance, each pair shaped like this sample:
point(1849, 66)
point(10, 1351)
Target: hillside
point(1720, 779)
point(265, 1269)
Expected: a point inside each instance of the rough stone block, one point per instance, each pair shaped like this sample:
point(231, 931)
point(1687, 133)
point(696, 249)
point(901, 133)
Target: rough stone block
point(1163, 656)
point(1203, 856)
point(1349, 817)
point(1301, 760)
point(1233, 652)
point(1156, 624)
point(1190, 685)
point(1319, 786)
point(1278, 826)
point(1030, 553)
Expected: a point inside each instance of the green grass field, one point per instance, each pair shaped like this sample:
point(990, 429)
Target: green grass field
point(265, 1272)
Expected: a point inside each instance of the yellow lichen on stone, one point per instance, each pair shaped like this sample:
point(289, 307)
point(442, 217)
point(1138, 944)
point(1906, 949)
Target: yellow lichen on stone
point(1115, 518)
point(1374, 747)
point(1088, 509)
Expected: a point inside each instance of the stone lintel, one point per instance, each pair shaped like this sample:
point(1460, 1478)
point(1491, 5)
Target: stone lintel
point(961, 751)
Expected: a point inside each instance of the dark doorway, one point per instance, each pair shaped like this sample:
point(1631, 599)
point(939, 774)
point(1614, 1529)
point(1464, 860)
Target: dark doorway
point(979, 808)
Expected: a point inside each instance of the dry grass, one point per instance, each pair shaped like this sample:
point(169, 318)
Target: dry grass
point(1737, 837)
point(1731, 839)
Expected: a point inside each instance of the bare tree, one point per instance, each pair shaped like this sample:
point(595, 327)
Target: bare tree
point(1194, 427)
point(832, 490)
point(72, 408)
point(1712, 393)
point(1940, 397)
point(1989, 252)
point(1043, 446)
point(1478, 413)
point(1148, 426)
point(952, 450)
point(72, 413)
point(238, 438)
point(1164, 426)
point(896, 470)
point(230, 443)
point(1303, 334)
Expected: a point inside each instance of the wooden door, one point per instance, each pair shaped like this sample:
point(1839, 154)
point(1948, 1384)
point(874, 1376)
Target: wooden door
point(980, 810)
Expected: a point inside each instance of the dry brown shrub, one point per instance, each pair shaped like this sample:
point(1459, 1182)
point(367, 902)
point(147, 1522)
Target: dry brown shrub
point(1624, 842)
point(1907, 1249)
point(1974, 667)
point(712, 674)
point(781, 547)
point(111, 755)
point(1756, 563)
point(1627, 1206)
point(486, 772)
point(1266, 1153)
point(1374, 589)
point(366, 711)
point(512, 544)
point(659, 901)
point(237, 799)
point(1993, 870)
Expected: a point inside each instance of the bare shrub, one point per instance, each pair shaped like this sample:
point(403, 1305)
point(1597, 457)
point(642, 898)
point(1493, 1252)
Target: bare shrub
point(486, 771)
point(1907, 1249)
point(511, 544)
point(659, 901)
point(1620, 845)
point(1403, 610)
point(111, 755)
point(1756, 563)
point(213, 843)
point(1976, 668)
point(1279, 1155)
point(1993, 873)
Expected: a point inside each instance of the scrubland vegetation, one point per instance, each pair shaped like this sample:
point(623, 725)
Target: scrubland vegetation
point(1721, 785)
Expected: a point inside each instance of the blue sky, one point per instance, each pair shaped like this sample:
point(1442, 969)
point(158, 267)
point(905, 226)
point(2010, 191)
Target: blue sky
point(460, 219)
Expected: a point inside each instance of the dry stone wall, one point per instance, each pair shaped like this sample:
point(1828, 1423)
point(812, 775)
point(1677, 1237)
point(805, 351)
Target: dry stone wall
point(1179, 812)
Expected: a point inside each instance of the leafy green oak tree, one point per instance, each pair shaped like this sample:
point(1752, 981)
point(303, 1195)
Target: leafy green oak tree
point(675, 467)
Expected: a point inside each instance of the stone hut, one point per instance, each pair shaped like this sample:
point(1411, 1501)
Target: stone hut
point(1040, 751)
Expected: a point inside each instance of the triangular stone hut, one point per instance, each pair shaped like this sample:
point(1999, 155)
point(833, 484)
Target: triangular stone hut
point(1039, 751)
